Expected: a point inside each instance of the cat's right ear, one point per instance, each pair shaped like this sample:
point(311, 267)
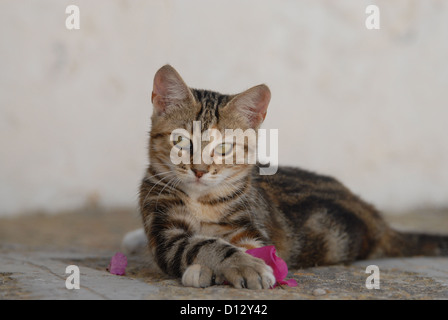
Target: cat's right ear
point(169, 90)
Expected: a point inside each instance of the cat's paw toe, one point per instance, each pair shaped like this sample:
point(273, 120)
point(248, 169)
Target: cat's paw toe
point(197, 276)
point(252, 274)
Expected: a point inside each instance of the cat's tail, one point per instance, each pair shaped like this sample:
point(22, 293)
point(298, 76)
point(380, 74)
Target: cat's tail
point(407, 244)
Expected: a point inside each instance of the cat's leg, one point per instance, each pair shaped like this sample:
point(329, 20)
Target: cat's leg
point(242, 271)
point(198, 276)
point(204, 261)
point(135, 241)
point(177, 248)
point(176, 243)
point(245, 271)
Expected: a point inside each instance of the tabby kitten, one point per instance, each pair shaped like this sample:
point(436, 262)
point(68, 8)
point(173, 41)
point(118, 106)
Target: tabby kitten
point(199, 219)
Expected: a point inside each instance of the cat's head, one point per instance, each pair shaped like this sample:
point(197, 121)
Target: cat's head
point(180, 113)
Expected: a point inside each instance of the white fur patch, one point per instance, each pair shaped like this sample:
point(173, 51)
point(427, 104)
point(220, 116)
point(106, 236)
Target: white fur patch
point(134, 241)
point(191, 276)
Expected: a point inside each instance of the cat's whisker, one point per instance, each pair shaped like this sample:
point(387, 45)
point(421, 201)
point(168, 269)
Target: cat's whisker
point(158, 174)
point(176, 179)
point(178, 182)
point(167, 184)
point(149, 192)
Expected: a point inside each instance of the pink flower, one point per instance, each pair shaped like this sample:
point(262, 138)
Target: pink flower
point(118, 264)
point(277, 264)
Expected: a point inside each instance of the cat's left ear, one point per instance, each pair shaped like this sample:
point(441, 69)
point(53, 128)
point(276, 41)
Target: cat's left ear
point(169, 90)
point(253, 104)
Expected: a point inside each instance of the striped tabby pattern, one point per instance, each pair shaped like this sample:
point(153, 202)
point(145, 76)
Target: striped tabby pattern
point(199, 219)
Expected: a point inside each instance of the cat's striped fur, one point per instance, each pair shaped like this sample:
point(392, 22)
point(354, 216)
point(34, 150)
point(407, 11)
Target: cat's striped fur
point(199, 225)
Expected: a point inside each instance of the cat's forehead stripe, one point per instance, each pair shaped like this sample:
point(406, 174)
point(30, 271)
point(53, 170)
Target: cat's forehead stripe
point(210, 102)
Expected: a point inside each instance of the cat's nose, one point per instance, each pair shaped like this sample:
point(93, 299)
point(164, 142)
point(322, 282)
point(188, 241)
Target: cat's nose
point(199, 173)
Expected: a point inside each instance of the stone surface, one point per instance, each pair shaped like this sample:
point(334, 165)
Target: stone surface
point(33, 265)
point(41, 275)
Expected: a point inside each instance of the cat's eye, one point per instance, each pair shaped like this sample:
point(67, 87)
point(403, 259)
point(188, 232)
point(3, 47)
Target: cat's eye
point(181, 142)
point(224, 149)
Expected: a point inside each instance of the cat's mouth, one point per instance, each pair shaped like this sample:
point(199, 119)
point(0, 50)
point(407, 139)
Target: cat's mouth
point(196, 186)
point(196, 181)
point(199, 182)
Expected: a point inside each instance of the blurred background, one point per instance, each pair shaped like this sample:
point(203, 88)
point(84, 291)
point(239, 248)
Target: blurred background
point(369, 107)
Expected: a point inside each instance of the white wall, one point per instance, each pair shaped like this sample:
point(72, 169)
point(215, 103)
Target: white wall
point(367, 106)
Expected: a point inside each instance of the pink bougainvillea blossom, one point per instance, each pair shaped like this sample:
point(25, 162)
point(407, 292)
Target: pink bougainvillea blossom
point(278, 265)
point(118, 264)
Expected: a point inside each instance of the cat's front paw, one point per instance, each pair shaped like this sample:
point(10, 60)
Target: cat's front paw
point(245, 271)
point(198, 276)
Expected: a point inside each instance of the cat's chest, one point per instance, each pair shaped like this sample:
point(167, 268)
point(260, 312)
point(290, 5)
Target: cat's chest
point(205, 212)
point(209, 219)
